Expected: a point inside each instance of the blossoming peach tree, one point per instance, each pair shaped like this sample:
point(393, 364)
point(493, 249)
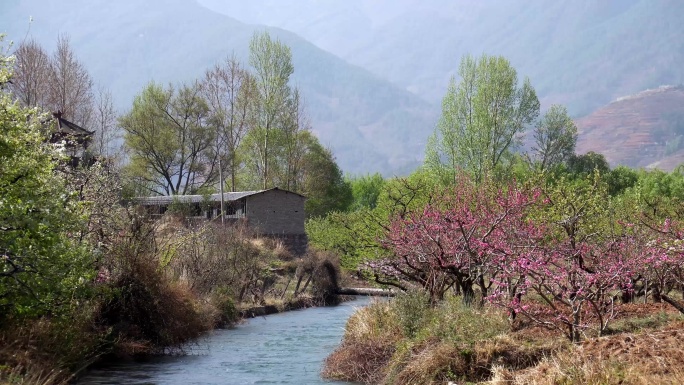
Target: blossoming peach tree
point(556, 256)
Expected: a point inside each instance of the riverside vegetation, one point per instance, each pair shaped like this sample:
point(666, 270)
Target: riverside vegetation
point(86, 278)
point(138, 288)
point(566, 277)
point(543, 267)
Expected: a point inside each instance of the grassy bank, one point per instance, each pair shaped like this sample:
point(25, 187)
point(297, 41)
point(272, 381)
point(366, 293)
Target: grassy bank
point(406, 341)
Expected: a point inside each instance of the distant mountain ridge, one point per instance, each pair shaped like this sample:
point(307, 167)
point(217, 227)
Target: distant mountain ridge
point(644, 130)
point(377, 112)
point(581, 53)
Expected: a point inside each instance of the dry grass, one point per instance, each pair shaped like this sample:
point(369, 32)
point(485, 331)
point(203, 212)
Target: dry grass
point(403, 342)
point(32, 376)
point(649, 357)
point(369, 343)
point(375, 321)
point(436, 362)
point(363, 361)
point(450, 342)
point(427, 364)
point(48, 351)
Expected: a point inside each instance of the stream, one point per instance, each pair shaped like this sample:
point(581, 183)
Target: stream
point(284, 348)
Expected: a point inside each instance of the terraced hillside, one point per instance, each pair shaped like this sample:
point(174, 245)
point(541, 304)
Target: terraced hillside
point(642, 130)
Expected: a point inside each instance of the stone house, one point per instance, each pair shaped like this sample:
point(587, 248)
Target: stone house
point(73, 140)
point(274, 212)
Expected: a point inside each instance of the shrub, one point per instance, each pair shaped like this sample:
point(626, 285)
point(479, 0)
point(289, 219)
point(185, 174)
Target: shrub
point(150, 308)
point(411, 308)
point(145, 307)
point(223, 256)
point(221, 299)
point(326, 277)
point(323, 270)
point(368, 345)
point(454, 322)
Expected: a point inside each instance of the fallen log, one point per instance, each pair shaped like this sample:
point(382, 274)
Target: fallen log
point(366, 291)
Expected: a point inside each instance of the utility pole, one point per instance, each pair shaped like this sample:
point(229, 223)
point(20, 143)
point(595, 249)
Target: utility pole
point(220, 166)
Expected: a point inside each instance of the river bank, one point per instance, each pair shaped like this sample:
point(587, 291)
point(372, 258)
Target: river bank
point(406, 341)
point(159, 287)
point(286, 348)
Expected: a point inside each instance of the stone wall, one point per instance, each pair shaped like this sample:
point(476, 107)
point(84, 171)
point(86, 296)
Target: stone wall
point(276, 212)
point(298, 244)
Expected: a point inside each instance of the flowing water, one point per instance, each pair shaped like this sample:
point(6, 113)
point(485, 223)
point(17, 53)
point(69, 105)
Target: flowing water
point(285, 348)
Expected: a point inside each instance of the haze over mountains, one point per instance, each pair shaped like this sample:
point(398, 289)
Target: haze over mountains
point(583, 53)
point(371, 124)
point(373, 72)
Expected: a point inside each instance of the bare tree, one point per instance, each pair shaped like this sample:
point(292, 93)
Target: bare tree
point(296, 121)
point(104, 123)
point(230, 92)
point(71, 87)
point(30, 82)
point(57, 83)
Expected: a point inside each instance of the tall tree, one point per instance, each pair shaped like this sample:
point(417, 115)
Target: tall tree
point(31, 78)
point(272, 63)
point(71, 87)
point(294, 142)
point(483, 118)
point(555, 137)
point(230, 93)
point(171, 144)
point(104, 123)
point(585, 164)
point(55, 83)
point(41, 266)
point(322, 180)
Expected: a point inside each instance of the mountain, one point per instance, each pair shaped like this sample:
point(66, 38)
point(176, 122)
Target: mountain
point(581, 53)
point(373, 72)
point(641, 130)
point(370, 124)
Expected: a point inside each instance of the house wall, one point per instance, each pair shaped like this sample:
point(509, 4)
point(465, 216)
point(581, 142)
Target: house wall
point(276, 212)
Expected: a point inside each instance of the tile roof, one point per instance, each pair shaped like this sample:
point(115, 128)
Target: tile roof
point(70, 128)
point(228, 197)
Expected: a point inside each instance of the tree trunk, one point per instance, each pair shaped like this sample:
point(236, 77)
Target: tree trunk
point(467, 291)
point(673, 303)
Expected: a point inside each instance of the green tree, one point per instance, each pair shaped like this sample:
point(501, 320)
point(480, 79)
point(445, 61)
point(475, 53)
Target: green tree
point(41, 267)
point(366, 190)
point(620, 179)
point(661, 194)
point(272, 63)
point(555, 137)
point(356, 235)
point(582, 165)
point(322, 181)
point(483, 117)
point(170, 142)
